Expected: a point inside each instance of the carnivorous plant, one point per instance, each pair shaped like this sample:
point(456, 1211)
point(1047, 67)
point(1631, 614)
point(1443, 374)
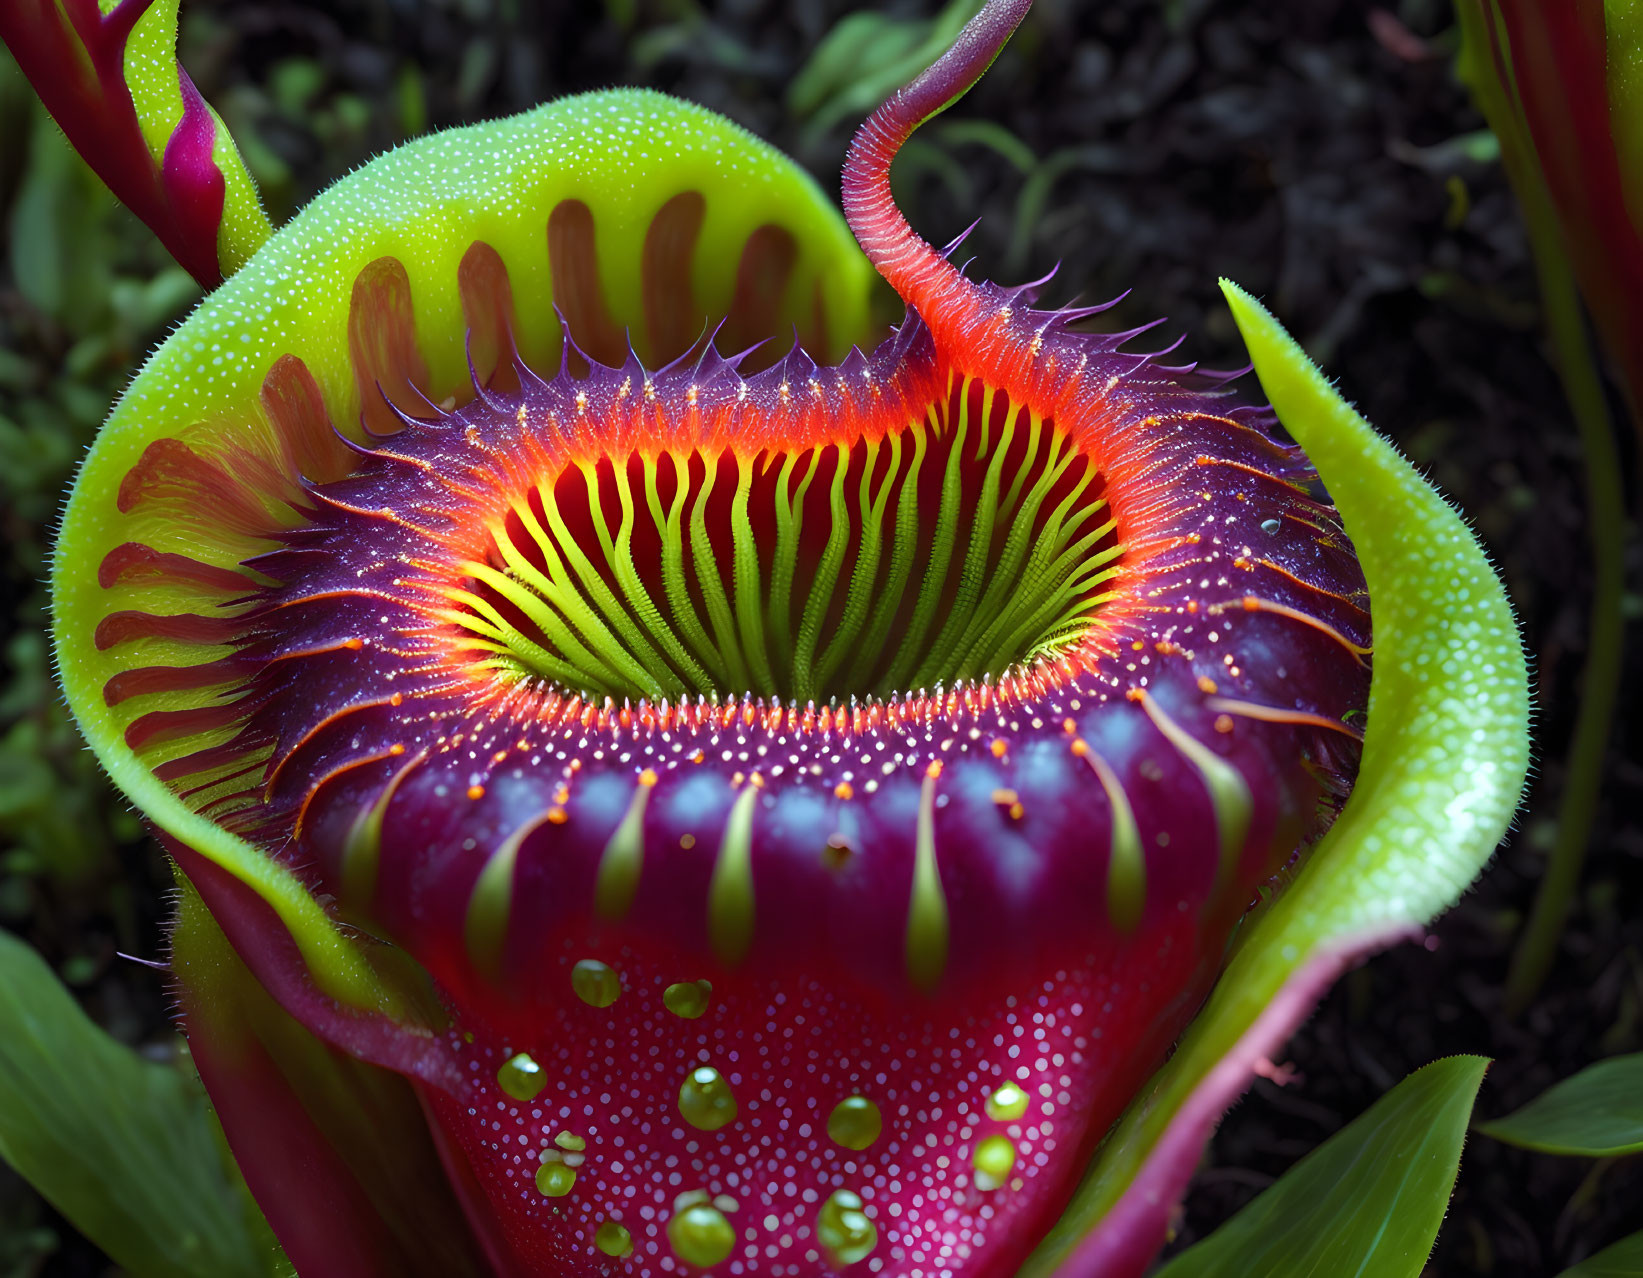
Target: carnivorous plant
point(662, 779)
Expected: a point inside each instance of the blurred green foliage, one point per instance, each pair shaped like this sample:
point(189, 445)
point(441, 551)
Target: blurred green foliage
point(865, 58)
point(1598, 1113)
point(84, 292)
point(1622, 1260)
point(87, 290)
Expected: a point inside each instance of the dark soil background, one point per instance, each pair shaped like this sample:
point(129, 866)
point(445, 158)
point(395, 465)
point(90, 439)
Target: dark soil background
point(1320, 152)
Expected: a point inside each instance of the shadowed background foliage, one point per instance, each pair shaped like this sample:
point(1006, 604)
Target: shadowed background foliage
point(1320, 153)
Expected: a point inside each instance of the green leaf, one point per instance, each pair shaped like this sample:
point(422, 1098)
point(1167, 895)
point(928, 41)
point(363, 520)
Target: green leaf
point(1367, 1202)
point(125, 1148)
point(1623, 1259)
point(1596, 1114)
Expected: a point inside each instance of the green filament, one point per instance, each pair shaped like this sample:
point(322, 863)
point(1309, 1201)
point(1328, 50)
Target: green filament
point(673, 572)
point(619, 553)
point(704, 555)
point(789, 525)
point(867, 562)
point(821, 589)
point(941, 554)
point(799, 581)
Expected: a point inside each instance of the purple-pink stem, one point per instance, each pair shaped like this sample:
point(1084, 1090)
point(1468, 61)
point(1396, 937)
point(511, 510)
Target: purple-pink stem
point(902, 256)
point(74, 56)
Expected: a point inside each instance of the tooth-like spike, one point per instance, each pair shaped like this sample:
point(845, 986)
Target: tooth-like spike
point(952, 245)
point(530, 383)
point(632, 364)
point(499, 404)
point(1072, 314)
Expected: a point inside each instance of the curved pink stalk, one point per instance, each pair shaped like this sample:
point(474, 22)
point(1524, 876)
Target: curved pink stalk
point(915, 270)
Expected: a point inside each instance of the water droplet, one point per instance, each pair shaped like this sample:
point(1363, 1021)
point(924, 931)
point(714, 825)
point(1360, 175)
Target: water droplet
point(1006, 1103)
point(843, 1229)
point(1270, 526)
point(855, 1123)
point(612, 1239)
point(705, 1099)
point(595, 984)
point(993, 1159)
point(688, 999)
point(700, 1235)
point(521, 1077)
point(570, 1141)
point(555, 1179)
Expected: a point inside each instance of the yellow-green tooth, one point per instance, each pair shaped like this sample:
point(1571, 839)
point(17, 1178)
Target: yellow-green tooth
point(730, 901)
